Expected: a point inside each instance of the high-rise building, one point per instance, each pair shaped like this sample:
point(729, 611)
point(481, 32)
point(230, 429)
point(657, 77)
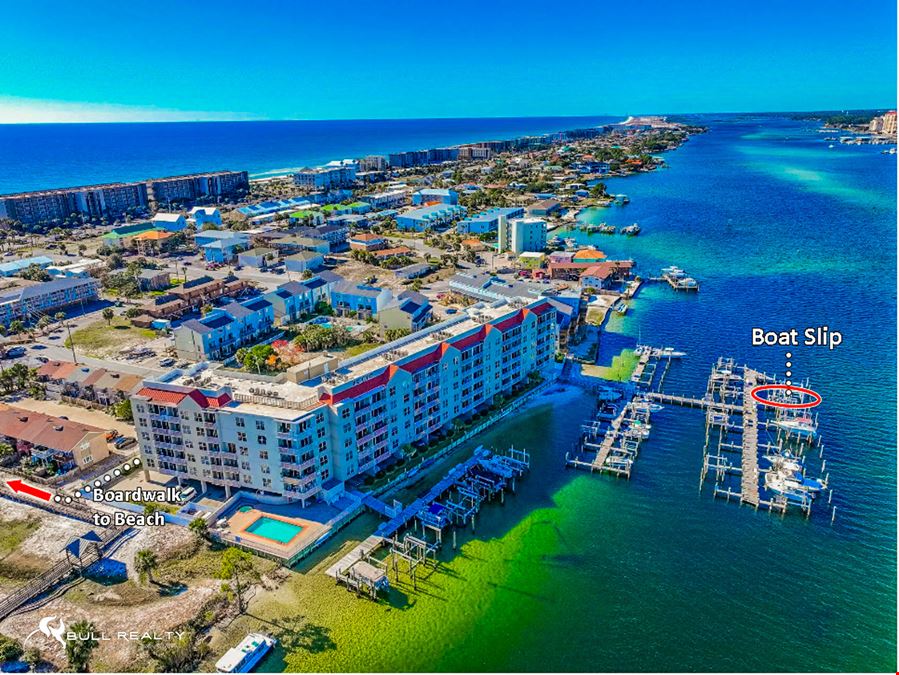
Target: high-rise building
point(302, 438)
point(198, 185)
point(93, 201)
point(326, 178)
point(518, 235)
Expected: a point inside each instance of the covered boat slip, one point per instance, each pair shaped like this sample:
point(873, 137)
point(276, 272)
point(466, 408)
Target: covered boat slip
point(453, 502)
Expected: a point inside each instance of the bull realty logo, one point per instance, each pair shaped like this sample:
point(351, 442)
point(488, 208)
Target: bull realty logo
point(49, 630)
point(59, 633)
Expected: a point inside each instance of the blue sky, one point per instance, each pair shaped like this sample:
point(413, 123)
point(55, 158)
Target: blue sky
point(267, 59)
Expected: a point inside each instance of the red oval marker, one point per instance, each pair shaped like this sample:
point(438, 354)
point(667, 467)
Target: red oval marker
point(786, 387)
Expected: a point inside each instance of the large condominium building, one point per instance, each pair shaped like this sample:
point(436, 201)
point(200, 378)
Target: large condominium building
point(325, 178)
point(198, 185)
point(303, 438)
point(94, 201)
point(884, 124)
point(518, 235)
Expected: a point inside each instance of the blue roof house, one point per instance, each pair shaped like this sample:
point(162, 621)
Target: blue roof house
point(365, 300)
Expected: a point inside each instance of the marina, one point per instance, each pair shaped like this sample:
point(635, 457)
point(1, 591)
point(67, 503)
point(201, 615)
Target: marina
point(452, 503)
point(753, 453)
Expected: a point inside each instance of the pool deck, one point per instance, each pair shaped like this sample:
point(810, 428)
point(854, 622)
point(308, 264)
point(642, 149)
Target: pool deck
point(239, 521)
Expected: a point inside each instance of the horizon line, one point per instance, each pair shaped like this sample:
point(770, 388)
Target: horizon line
point(454, 117)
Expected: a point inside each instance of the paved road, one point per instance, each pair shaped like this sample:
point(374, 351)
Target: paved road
point(56, 352)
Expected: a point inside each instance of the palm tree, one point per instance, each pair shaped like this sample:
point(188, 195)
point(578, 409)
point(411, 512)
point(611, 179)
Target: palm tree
point(144, 563)
point(108, 314)
point(79, 645)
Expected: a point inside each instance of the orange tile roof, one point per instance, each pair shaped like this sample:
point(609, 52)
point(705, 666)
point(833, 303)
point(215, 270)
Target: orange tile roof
point(154, 235)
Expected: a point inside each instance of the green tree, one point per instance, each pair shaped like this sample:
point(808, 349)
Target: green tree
point(144, 563)
point(122, 410)
point(16, 327)
point(180, 654)
point(238, 568)
point(80, 644)
point(199, 527)
point(109, 315)
point(10, 649)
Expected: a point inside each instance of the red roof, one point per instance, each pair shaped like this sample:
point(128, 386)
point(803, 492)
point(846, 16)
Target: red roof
point(473, 339)
point(512, 321)
point(362, 388)
point(175, 397)
point(426, 360)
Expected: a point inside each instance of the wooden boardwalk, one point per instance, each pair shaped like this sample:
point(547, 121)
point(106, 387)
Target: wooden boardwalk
point(692, 402)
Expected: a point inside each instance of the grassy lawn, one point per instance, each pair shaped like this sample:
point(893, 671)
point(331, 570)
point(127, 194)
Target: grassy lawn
point(101, 336)
point(202, 562)
point(622, 367)
point(594, 316)
point(14, 532)
point(355, 350)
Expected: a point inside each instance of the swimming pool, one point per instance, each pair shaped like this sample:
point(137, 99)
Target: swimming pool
point(276, 530)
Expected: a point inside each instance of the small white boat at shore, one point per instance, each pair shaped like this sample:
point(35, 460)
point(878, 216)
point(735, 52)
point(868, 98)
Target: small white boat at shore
point(245, 656)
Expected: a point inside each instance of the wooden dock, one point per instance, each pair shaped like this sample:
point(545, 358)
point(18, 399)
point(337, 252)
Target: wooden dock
point(358, 553)
point(749, 478)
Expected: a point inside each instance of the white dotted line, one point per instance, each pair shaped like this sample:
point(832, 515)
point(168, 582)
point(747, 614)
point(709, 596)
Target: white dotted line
point(126, 467)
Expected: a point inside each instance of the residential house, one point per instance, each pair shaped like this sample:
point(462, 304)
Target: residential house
point(171, 222)
point(410, 311)
point(435, 196)
point(290, 301)
point(412, 271)
point(79, 268)
point(304, 261)
point(202, 215)
point(221, 246)
point(258, 257)
point(153, 280)
point(52, 441)
point(364, 300)
point(366, 241)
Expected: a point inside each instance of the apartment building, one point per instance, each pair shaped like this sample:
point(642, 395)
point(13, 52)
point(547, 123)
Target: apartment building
point(30, 303)
point(224, 330)
point(198, 186)
point(95, 201)
point(519, 235)
point(280, 436)
point(325, 178)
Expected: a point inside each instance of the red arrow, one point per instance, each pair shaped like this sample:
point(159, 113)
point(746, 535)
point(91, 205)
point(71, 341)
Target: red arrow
point(18, 486)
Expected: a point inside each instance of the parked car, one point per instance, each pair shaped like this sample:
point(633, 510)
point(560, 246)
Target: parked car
point(125, 442)
point(167, 362)
point(187, 493)
point(14, 352)
point(111, 435)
